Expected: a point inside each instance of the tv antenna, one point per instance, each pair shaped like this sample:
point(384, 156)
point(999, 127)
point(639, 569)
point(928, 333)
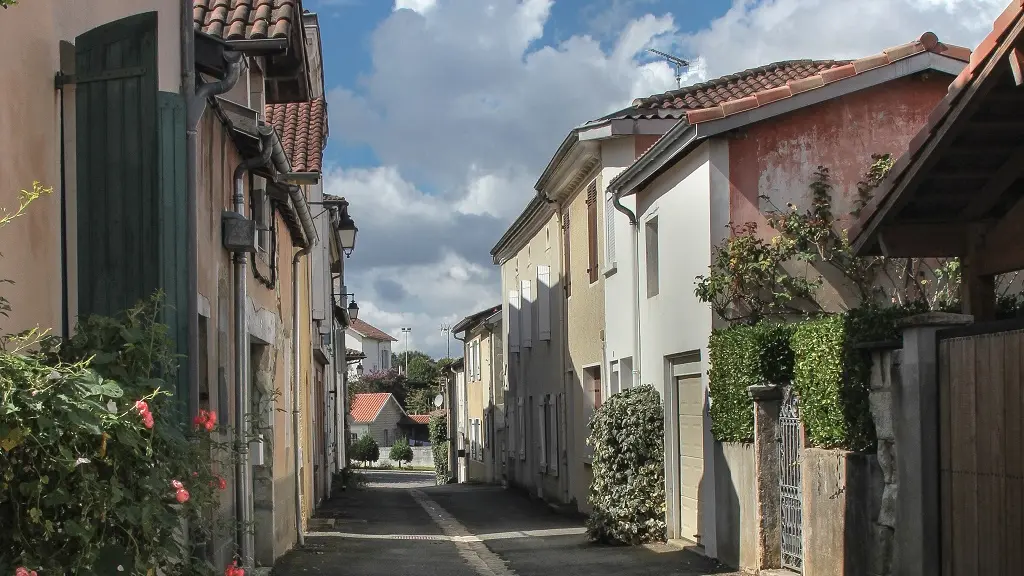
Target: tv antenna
point(676, 61)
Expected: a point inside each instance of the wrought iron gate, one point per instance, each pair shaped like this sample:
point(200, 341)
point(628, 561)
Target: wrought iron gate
point(789, 461)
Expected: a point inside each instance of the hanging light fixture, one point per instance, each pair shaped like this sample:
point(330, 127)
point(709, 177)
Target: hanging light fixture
point(353, 310)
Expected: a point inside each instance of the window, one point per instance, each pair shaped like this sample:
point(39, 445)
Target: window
point(625, 373)
point(476, 451)
point(385, 359)
point(261, 214)
point(513, 321)
point(566, 254)
point(593, 377)
point(526, 320)
point(609, 230)
point(469, 361)
point(651, 236)
point(544, 302)
point(592, 231)
point(614, 385)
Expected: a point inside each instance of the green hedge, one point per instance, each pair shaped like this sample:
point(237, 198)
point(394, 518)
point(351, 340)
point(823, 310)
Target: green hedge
point(628, 491)
point(438, 427)
point(743, 356)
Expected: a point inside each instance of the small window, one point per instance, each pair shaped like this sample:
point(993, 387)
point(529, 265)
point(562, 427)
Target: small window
point(592, 266)
point(651, 236)
point(593, 376)
point(261, 214)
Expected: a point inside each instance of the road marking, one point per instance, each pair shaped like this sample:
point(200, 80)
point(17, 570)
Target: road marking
point(350, 535)
point(470, 547)
point(446, 538)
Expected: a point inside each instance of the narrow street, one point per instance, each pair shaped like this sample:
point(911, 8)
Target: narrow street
point(400, 523)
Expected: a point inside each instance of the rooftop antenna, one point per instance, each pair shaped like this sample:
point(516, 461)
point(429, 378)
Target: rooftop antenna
point(676, 61)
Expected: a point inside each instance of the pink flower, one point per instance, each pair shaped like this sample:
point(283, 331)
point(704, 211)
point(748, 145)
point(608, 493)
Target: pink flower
point(142, 407)
point(181, 495)
point(21, 571)
point(233, 570)
point(147, 420)
point(222, 483)
point(209, 425)
point(177, 484)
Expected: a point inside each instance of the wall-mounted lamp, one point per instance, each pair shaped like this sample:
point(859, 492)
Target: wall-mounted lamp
point(353, 308)
point(346, 226)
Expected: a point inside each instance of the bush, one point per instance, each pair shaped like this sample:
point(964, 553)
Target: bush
point(99, 467)
point(438, 426)
point(365, 450)
point(628, 491)
point(401, 452)
point(743, 356)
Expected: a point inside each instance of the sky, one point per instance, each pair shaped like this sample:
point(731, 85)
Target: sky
point(444, 112)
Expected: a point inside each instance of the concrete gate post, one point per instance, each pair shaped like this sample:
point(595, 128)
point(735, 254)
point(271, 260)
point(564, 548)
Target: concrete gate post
point(767, 406)
point(915, 410)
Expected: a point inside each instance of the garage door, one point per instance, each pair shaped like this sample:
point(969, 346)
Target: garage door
point(691, 453)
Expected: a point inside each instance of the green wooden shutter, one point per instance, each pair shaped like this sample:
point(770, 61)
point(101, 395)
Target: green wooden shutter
point(130, 164)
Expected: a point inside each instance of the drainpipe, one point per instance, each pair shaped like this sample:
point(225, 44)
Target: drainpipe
point(341, 398)
point(243, 485)
point(617, 202)
point(302, 209)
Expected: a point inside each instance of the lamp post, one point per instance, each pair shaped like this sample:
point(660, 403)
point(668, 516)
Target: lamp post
point(446, 329)
point(406, 331)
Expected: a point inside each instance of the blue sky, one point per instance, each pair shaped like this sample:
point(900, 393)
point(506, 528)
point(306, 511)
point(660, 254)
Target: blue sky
point(444, 112)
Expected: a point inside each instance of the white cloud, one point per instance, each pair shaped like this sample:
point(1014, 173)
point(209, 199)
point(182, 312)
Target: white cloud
point(464, 101)
point(755, 33)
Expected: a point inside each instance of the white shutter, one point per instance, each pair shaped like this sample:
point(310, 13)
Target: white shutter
point(541, 425)
point(609, 231)
point(513, 321)
point(556, 409)
point(544, 302)
point(476, 363)
point(526, 320)
point(521, 429)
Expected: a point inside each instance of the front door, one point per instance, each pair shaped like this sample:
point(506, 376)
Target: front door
point(691, 454)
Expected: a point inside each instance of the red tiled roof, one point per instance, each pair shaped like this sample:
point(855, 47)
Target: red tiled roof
point(365, 407)
point(246, 19)
point(977, 61)
point(368, 331)
point(302, 127)
point(784, 84)
point(420, 418)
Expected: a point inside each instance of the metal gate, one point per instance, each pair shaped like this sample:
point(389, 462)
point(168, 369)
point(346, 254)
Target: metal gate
point(789, 463)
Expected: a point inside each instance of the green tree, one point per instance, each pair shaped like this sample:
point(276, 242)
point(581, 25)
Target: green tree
point(401, 452)
point(420, 401)
point(365, 450)
point(439, 447)
point(381, 381)
point(422, 368)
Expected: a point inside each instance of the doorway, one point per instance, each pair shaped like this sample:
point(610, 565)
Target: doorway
point(684, 447)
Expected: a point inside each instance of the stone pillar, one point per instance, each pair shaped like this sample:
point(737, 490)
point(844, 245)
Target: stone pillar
point(915, 410)
point(767, 406)
point(885, 369)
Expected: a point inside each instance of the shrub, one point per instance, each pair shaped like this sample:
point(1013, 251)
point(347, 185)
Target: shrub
point(438, 427)
point(365, 450)
point(628, 491)
point(401, 452)
point(99, 468)
point(743, 356)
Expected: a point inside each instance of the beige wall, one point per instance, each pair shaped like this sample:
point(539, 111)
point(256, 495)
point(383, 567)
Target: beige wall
point(30, 127)
point(478, 400)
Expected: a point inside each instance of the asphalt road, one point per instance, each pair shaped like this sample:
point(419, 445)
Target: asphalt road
point(401, 524)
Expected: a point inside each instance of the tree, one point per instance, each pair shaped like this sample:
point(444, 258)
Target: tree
point(365, 450)
point(420, 401)
point(401, 452)
point(381, 381)
point(421, 366)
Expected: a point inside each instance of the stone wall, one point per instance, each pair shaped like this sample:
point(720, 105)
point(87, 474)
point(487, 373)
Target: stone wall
point(885, 369)
point(422, 457)
point(840, 510)
point(736, 504)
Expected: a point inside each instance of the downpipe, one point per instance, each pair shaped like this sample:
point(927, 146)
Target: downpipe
point(243, 482)
point(617, 202)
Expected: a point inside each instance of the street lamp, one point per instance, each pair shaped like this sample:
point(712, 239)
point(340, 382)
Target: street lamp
point(346, 225)
point(446, 329)
point(353, 308)
point(406, 331)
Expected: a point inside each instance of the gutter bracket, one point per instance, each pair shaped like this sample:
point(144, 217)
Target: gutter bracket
point(61, 79)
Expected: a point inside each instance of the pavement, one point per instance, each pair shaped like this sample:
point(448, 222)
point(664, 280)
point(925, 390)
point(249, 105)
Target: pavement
point(401, 524)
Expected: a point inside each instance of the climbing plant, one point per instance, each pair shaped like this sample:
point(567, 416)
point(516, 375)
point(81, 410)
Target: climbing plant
point(438, 430)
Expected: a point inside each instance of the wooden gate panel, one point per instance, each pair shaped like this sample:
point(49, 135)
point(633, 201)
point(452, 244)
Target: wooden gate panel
point(980, 459)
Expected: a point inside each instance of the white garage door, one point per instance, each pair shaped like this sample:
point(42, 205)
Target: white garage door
point(691, 453)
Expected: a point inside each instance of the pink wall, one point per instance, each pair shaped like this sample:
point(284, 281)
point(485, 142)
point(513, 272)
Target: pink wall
point(778, 157)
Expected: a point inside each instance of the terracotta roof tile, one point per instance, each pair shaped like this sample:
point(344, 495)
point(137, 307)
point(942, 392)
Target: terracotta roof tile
point(760, 86)
point(371, 332)
point(366, 406)
point(735, 86)
point(302, 127)
point(420, 418)
point(246, 19)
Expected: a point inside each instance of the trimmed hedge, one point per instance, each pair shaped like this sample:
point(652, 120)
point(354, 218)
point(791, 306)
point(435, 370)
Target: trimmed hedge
point(743, 356)
point(438, 427)
point(628, 491)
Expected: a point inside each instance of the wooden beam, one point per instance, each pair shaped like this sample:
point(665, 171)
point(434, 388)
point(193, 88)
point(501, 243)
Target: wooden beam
point(1001, 179)
point(1017, 65)
point(922, 240)
point(1004, 243)
point(977, 289)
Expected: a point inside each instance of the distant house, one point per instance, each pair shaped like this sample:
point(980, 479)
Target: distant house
point(373, 343)
point(381, 416)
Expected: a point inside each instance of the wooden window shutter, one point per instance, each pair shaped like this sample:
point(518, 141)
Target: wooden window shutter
point(513, 321)
point(592, 268)
point(566, 255)
point(526, 321)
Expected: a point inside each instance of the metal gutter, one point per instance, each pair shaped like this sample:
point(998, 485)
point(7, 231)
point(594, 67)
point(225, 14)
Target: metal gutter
point(258, 47)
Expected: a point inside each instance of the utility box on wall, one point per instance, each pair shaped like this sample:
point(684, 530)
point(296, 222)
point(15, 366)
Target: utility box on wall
point(239, 232)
